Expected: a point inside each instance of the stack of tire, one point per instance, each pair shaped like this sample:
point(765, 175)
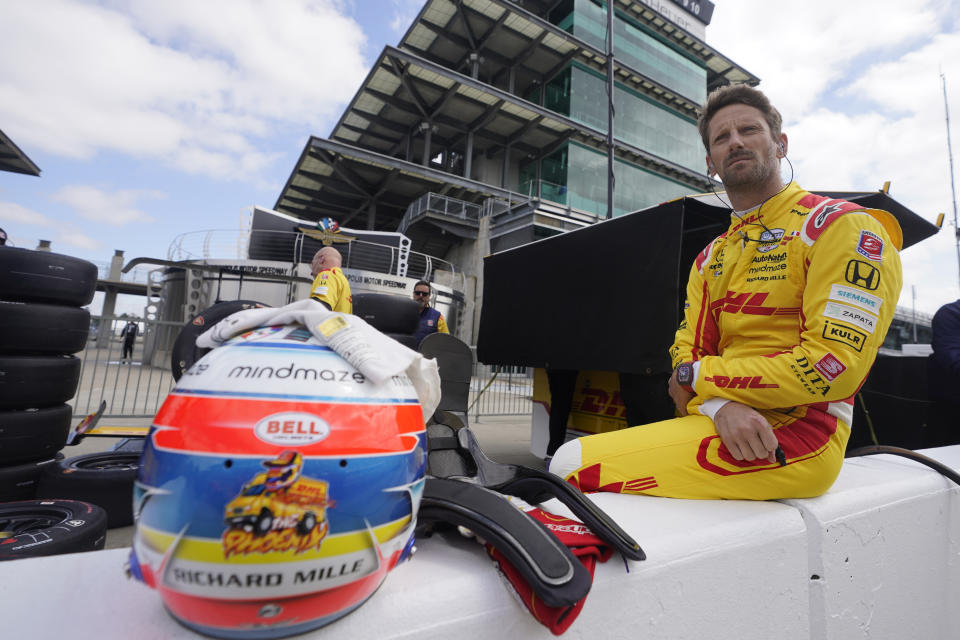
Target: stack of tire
point(42, 325)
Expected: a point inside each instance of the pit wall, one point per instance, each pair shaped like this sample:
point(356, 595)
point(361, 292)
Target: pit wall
point(876, 557)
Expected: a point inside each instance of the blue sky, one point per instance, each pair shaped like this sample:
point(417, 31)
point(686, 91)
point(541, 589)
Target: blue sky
point(154, 119)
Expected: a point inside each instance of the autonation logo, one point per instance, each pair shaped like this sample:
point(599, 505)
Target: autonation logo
point(292, 428)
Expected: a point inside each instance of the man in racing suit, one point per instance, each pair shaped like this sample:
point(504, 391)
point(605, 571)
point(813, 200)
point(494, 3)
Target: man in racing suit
point(330, 287)
point(783, 318)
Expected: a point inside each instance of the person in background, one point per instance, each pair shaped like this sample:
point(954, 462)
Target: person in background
point(129, 335)
point(330, 286)
point(3, 237)
point(943, 375)
point(431, 320)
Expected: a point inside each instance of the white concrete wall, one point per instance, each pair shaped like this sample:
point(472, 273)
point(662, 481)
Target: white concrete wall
point(877, 557)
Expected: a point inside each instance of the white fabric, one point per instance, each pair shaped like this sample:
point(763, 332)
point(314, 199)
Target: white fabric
point(711, 406)
point(567, 458)
point(374, 354)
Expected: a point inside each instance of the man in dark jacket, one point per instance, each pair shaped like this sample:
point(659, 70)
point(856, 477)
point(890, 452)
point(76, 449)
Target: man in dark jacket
point(943, 370)
point(129, 335)
point(431, 320)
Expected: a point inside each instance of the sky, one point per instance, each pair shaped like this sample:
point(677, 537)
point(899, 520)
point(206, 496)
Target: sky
point(155, 121)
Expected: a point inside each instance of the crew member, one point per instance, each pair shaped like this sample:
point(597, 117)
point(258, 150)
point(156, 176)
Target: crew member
point(129, 335)
point(431, 320)
point(943, 374)
point(330, 286)
point(784, 314)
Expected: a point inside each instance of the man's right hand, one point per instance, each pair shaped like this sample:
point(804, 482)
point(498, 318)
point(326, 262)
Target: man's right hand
point(745, 433)
point(679, 395)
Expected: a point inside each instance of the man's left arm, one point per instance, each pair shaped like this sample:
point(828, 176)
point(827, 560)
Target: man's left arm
point(852, 286)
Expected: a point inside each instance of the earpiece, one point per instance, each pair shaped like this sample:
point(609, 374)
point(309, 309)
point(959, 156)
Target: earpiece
point(783, 151)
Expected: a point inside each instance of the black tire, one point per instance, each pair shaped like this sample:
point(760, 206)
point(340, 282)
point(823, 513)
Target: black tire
point(40, 276)
point(37, 381)
point(387, 313)
point(19, 482)
point(307, 523)
point(185, 350)
point(33, 434)
point(263, 524)
point(27, 328)
point(32, 528)
point(105, 479)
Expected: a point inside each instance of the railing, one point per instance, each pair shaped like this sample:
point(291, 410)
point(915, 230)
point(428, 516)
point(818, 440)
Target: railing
point(500, 391)
point(138, 275)
point(288, 246)
point(432, 202)
point(137, 387)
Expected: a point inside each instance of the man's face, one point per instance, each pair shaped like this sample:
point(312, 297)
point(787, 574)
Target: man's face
point(421, 295)
point(742, 151)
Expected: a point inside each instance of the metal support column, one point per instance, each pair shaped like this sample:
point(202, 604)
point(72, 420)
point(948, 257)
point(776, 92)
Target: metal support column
point(468, 157)
point(610, 110)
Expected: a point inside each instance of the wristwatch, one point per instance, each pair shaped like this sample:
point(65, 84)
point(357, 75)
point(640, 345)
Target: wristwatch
point(684, 375)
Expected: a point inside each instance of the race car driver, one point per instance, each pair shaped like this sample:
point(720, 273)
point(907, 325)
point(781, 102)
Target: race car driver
point(783, 317)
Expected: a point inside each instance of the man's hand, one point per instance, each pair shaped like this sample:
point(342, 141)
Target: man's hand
point(680, 395)
point(746, 434)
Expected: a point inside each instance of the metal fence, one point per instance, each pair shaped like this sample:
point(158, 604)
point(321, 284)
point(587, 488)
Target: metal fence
point(132, 387)
point(136, 387)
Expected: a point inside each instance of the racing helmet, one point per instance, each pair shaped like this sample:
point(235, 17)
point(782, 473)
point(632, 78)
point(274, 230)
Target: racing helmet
point(277, 488)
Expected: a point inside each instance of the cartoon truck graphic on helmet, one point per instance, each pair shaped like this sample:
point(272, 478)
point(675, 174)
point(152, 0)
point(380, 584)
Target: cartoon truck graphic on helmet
point(280, 498)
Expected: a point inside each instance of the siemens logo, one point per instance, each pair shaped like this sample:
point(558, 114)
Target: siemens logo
point(293, 372)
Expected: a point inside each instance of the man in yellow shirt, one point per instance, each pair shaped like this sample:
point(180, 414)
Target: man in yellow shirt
point(784, 314)
point(330, 286)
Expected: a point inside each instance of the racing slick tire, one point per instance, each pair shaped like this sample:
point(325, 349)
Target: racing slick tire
point(104, 479)
point(387, 313)
point(28, 327)
point(27, 275)
point(19, 482)
point(37, 381)
point(185, 350)
point(32, 528)
point(33, 434)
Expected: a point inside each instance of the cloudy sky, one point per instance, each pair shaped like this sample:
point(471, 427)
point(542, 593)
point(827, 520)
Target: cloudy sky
point(154, 119)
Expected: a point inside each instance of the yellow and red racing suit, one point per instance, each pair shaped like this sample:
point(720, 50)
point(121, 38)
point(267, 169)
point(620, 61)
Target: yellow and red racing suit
point(784, 313)
point(331, 286)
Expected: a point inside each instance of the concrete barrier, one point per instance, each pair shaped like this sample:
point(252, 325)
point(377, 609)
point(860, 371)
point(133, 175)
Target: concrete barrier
point(877, 557)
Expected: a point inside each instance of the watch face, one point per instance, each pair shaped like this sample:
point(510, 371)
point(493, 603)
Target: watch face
point(684, 373)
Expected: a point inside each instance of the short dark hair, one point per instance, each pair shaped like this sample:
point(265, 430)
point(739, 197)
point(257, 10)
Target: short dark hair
point(738, 94)
point(424, 283)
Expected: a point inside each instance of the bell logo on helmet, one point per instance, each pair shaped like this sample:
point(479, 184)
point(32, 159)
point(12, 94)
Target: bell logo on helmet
point(292, 428)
